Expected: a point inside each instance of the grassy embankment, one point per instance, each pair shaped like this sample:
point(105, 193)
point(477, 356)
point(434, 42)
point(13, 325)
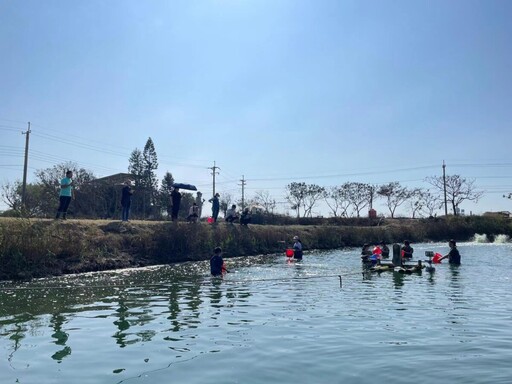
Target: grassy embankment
point(37, 248)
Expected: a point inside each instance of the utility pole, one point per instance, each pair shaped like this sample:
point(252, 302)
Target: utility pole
point(243, 181)
point(444, 187)
point(25, 166)
point(214, 172)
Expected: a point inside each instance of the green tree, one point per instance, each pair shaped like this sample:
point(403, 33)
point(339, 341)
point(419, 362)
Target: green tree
point(49, 180)
point(358, 195)
point(142, 165)
point(150, 165)
point(305, 196)
point(295, 195)
point(135, 166)
point(164, 194)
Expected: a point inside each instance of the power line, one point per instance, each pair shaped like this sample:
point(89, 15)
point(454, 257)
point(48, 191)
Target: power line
point(342, 174)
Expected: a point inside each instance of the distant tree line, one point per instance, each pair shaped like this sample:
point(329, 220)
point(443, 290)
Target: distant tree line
point(94, 198)
point(151, 199)
point(351, 198)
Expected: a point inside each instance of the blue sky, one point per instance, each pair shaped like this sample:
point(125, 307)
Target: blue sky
point(277, 91)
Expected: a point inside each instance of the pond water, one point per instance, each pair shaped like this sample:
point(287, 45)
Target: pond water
point(268, 321)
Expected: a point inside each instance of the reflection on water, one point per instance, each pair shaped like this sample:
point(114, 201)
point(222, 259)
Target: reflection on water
point(175, 321)
point(60, 337)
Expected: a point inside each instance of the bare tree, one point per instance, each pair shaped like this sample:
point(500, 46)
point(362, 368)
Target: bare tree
point(11, 195)
point(395, 195)
point(431, 202)
point(314, 193)
point(225, 202)
point(458, 189)
point(337, 200)
point(265, 200)
point(372, 194)
point(416, 201)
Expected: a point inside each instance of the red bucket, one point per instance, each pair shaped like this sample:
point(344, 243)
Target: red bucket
point(289, 252)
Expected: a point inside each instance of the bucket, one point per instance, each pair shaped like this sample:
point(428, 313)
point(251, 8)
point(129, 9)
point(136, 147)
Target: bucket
point(289, 252)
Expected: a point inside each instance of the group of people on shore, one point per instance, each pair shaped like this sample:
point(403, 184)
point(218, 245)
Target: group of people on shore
point(194, 213)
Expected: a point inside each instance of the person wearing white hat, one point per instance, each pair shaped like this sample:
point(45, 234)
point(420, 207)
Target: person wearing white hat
point(297, 248)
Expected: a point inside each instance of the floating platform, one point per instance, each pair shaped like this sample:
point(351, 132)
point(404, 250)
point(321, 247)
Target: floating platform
point(390, 267)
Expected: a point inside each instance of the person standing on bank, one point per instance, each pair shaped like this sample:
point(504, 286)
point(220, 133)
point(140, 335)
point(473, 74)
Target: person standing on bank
point(66, 192)
point(176, 201)
point(297, 248)
point(215, 206)
point(199, 203)
point(453, 256)
point(126, 200)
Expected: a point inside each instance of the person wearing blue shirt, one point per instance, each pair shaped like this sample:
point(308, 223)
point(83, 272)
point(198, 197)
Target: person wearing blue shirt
point(66, 192)
point(215, 206)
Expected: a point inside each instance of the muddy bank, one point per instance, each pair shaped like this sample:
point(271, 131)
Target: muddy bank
point(39, 248)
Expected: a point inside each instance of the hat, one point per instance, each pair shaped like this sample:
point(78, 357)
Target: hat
point(295, 237)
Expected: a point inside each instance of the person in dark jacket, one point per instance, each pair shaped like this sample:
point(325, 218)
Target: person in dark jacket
point(217, 263)
point(453, 256)
point(407, 250)
point(385, 249)
point(126, 200)
point(245, 218)
point(176, 201)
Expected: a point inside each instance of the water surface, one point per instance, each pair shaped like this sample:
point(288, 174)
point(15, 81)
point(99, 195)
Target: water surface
point(267, 321)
